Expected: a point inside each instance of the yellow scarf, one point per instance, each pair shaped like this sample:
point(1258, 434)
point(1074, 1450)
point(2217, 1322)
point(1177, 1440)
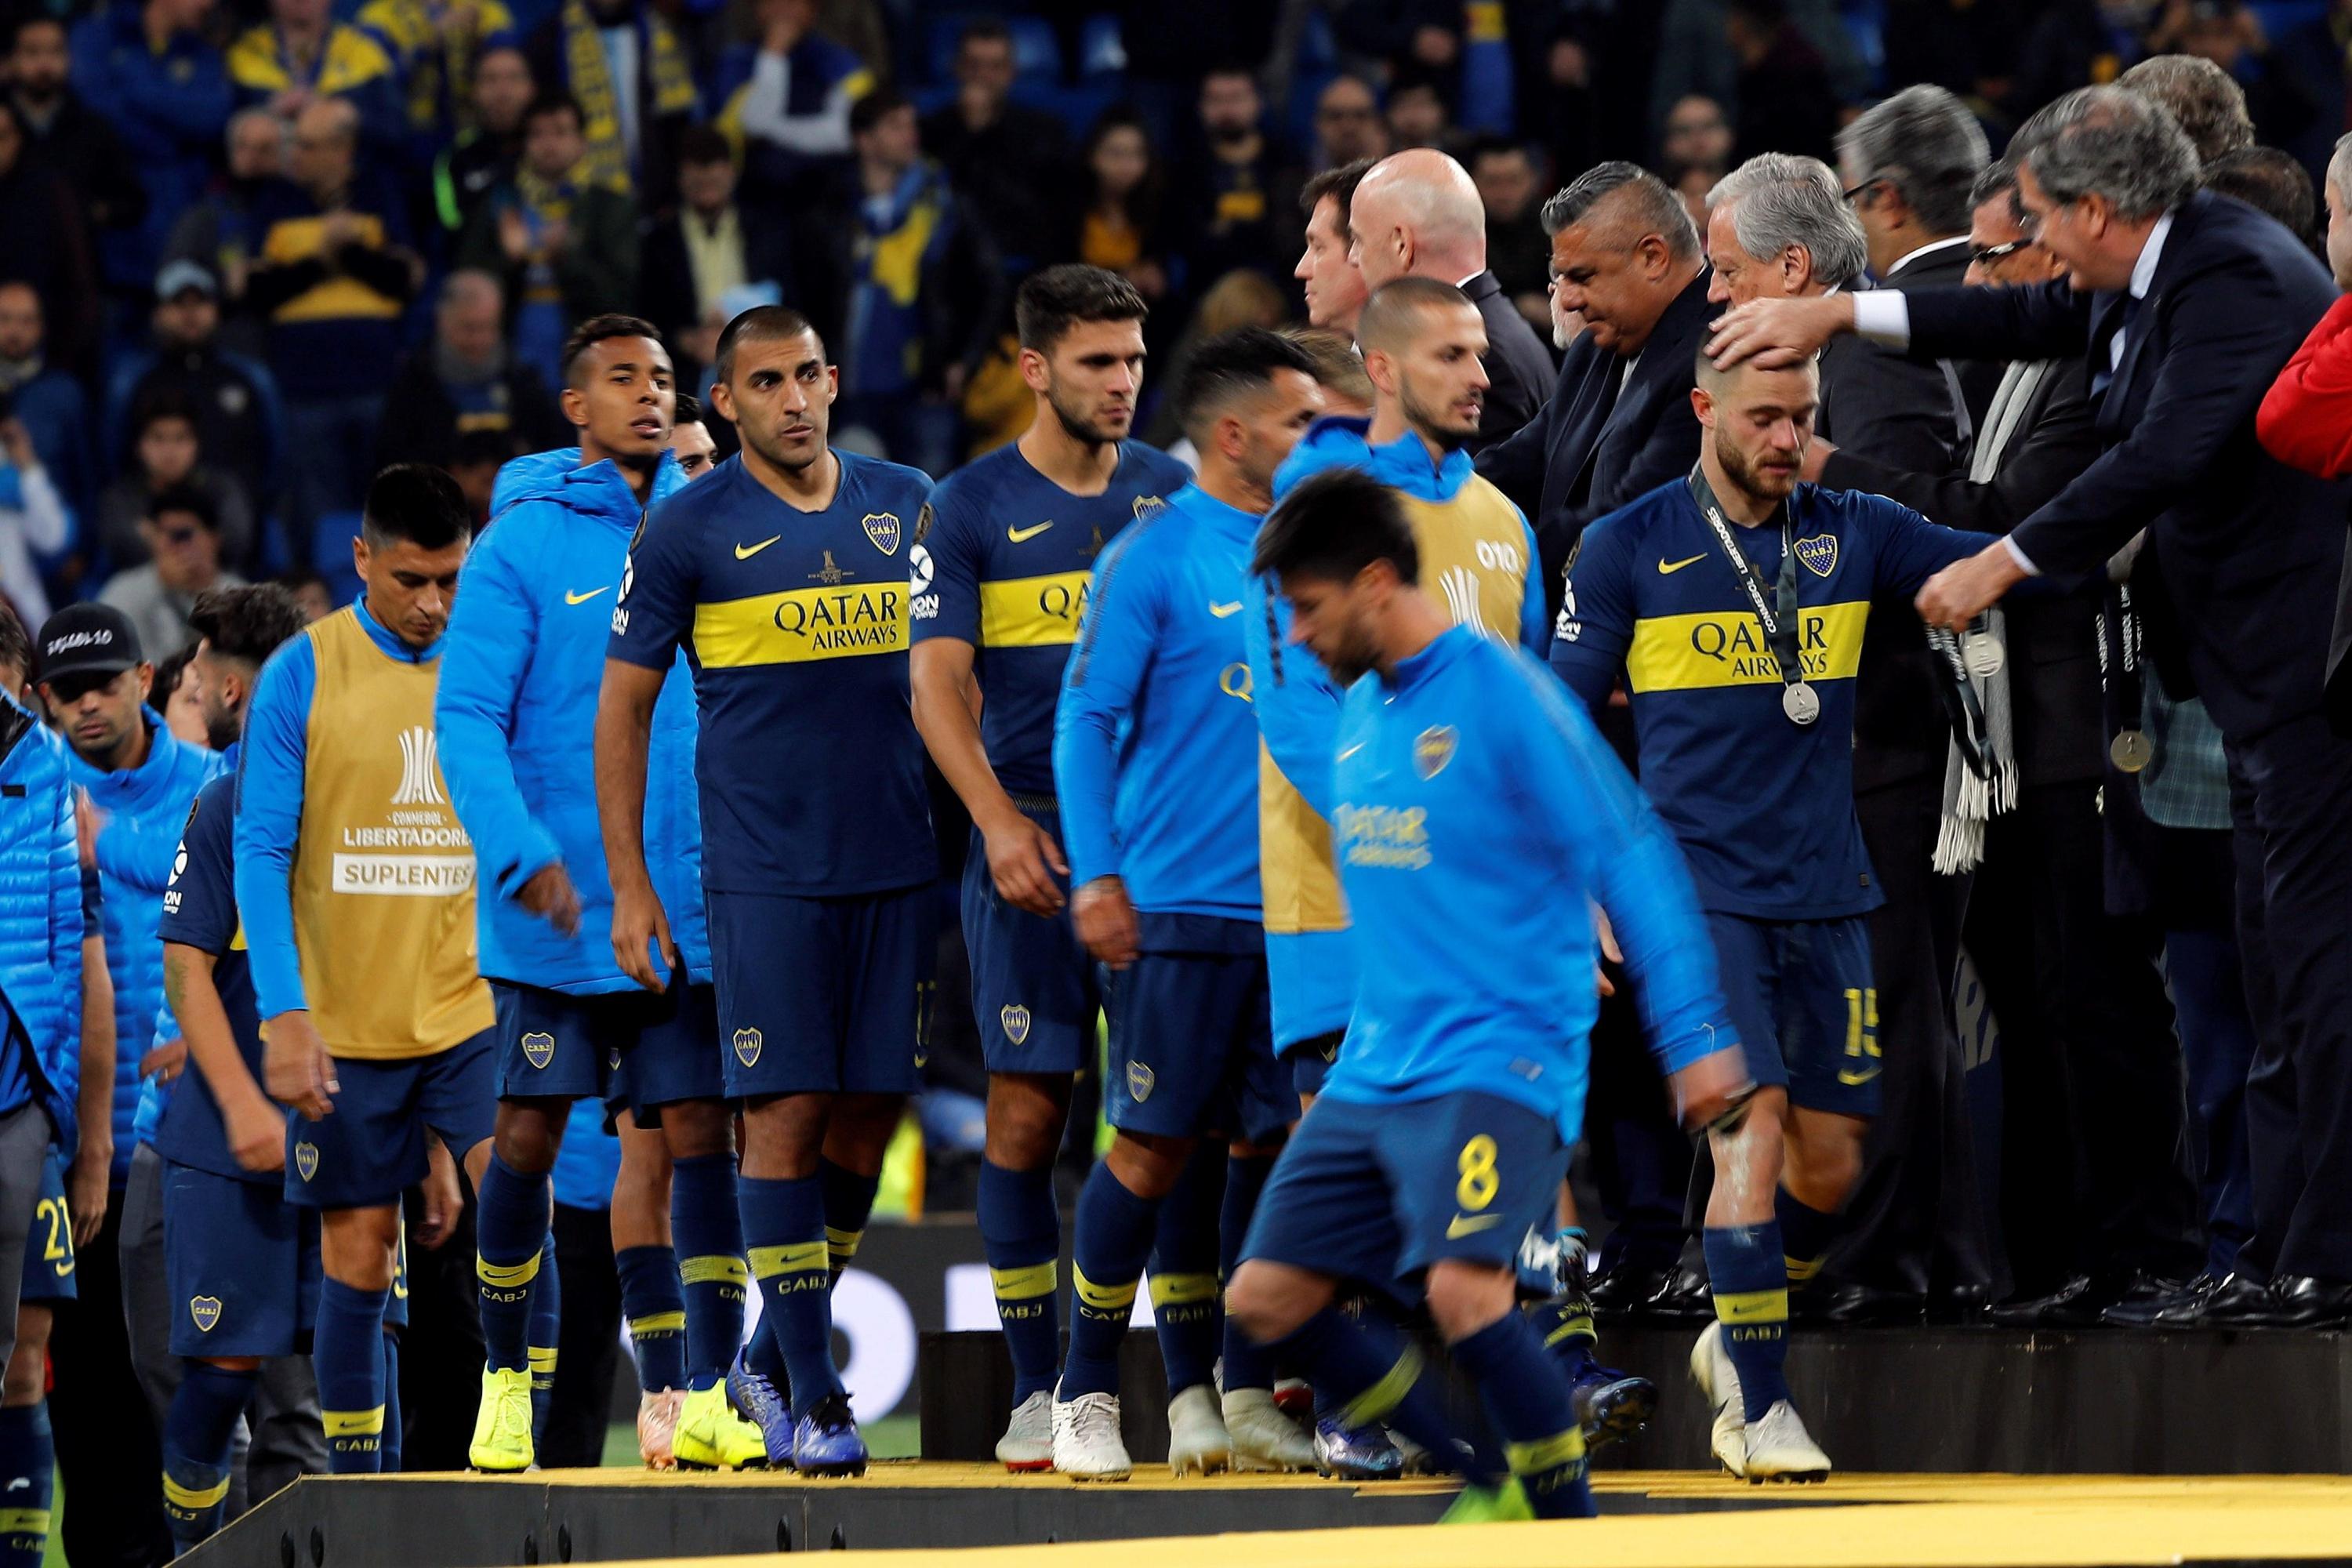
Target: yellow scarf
point(607, 162)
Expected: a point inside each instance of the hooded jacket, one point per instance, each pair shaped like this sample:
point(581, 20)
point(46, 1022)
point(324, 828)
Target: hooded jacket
point(40, 915)
point(516, 716)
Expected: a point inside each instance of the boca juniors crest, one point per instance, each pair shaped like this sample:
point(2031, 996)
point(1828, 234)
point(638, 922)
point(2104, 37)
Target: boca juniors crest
point(1434, 748)
point(882, 527)
point(1016, 1024)
point(539, 1049)
point(1818, 554)
point(306, 1160)
point(206, 1311)
point(1139, 1082)
point(747, 1046)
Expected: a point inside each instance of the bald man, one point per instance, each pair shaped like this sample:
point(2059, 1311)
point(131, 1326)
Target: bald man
point(1417, 214)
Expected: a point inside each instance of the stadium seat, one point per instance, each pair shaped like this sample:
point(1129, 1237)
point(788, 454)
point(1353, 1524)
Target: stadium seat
point(1076, 106)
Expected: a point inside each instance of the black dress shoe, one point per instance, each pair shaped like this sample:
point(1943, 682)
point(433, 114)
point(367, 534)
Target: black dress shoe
point(2078, 1303)
point(2033, 1311)
point(1625, 1289)
point(1683, 1299)
point(2224, 1307)
point(2300, 1301)
point(1855, 1306)
point(2147, 1311)
point(1961, 1304)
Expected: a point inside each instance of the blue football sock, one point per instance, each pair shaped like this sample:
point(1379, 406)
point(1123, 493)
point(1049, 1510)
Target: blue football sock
point(1184, 1270)
point(1565, 1328)
point(1531, 1406)
point(545, 1330)
point(1246, 1365)
point(707, 1221)
point(1805, 1235)
point(510, 1235)
point(654, 1306)
point(848, 1203)
point(1021, 1230)
point(1367, 1375)
point(1749, 1273)
point(1114, 1236)
point(198, 1435)
point(347, 1353)
point(28, 1461)
point(783, 1229)
point(392, 1433)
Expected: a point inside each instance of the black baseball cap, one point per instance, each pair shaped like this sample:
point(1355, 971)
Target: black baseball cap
point(87, 639)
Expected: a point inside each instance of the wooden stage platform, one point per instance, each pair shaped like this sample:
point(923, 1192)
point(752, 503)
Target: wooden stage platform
point(915, 1514)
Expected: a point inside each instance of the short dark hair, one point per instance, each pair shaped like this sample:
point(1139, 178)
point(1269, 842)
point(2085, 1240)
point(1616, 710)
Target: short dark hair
point(550, 100)
point(1393, 307)
point(166, 675)
point(1339, 184)
point(16, 642)
point(161, 404)
point(496, 443)
point(1234, 365)
point(246, 624)
point(1491, 146)
point(704, 145)
point(2271, 181)
point(416, 502)
point(983, 30)
point(187, 499)
point(1052, 301)
point(688, 410)
point(1651, 207)
point(602, 328)
point(869, 111)
point(760, 324)
point(1997, 178)
point(1333, 526)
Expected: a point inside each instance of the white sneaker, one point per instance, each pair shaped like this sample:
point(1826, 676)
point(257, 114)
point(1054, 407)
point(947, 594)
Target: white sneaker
point(1264, 1438)
point(1719, 1380)
point(1197, 1440)
point(1779, 1448)
point(1417, 1460)
point(1086, 1444)
point(657, 1427)
point(1028, 1440)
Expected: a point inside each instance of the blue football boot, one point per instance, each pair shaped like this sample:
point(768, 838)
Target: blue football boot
point(826, 1440)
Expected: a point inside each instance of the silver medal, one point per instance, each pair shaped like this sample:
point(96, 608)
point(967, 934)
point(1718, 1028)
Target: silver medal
point(2130, 751)
point(1801, 703)
point(1983, 652)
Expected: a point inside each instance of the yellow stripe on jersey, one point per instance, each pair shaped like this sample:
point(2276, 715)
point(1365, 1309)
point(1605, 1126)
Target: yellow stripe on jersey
point(1727, 648)
point(1035, 612)
point(1024, 1284)
point(849, 620)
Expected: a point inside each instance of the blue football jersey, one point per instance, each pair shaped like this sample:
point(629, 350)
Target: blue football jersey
point(200, 912)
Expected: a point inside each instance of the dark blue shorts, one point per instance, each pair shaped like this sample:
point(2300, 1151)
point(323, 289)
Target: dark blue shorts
point(1801, 994)
point(1192, 1043)
point(1376, 1194)
point(553, 1045)
point(823, 995)
point(240, 1262)
point(676, 1056)
point(48, 1249)
point(1035, 990)
point(1310, 1059)
point(370, 1148)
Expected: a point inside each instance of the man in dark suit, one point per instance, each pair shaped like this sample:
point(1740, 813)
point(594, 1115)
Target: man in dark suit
point(1779, 226)
point(1418, 214)
point(2096, 1198)
point(1626, 261)
point(2186, 305)
point(711, 243)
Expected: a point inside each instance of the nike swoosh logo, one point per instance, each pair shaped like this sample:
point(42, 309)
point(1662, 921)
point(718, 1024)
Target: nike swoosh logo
point(1461, 1225)
point(572, 599)
point(1222, 611)
point(745, 552)
point(1022, 535)
point(1668, 568)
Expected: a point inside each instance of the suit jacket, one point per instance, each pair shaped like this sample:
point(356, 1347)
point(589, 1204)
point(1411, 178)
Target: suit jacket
point(1900, 411)
point(2248, 550)
point(1587, 452)
point(665, 293)
point(2053, 663)
point(1518, 366)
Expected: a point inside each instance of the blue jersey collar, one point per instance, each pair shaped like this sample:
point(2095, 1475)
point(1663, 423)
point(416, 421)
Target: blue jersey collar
point(389, 643)
point(1405, 463)
point(1208, 509)
point(1415, 672)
